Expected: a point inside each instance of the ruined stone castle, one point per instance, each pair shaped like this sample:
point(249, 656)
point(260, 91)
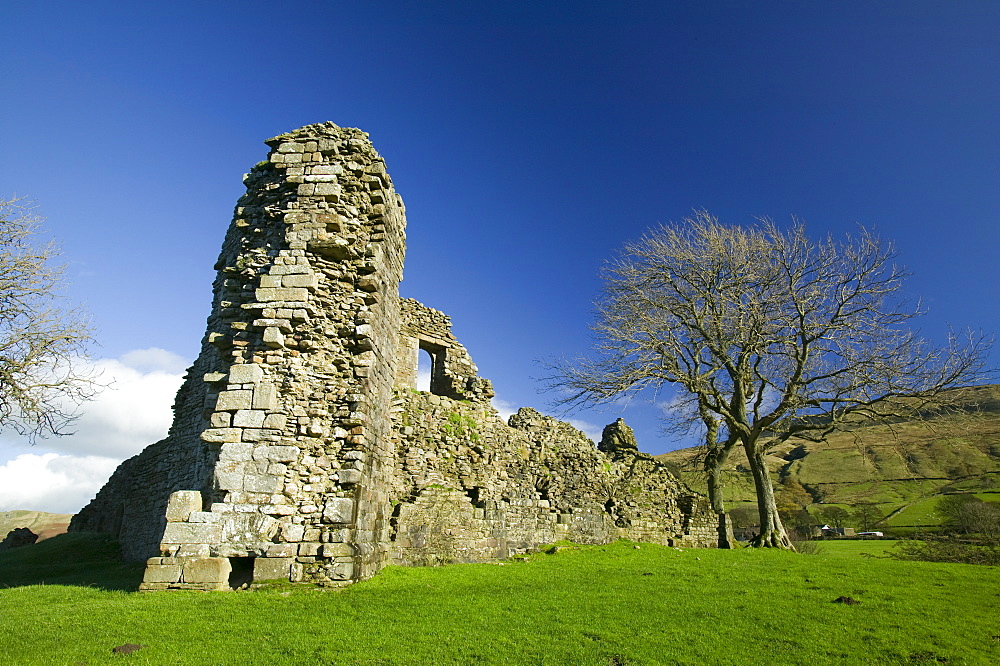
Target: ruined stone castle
point(301, 448)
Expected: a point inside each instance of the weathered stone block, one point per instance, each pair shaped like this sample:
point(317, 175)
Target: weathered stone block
point(265, 396)
point(273, 337)
point(246, 373)
point(368, 284)
point(339, 510)
point(162, 573)
point(229, 475)
point(272, 568)
point(220, 419)
point(309, 549)
point(271, 294)
point(276, 453)
point(327, 189)
point(263, 483)
point(298, 216)
point(236, 452)
point(207, 570)
point(306, 280)
point(194, 550)
point(340, 571)
point(192, 533)
point(203, 517)
point(233, 400)
point(348, 476)
point(292, 532)
point(221, 435)
point(337, 550)
point(282, 550)
point(161, 560)
point(260, 435)
point(249, 418)
point(181, 503)
point(275, 421)
point(283, 325)
point(248, 529)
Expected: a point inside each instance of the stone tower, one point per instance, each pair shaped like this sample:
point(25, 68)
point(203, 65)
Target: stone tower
point(285, 412)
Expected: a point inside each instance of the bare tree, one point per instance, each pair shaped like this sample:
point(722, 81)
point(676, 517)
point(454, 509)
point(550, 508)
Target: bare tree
point(41, 342)
point(768, 335)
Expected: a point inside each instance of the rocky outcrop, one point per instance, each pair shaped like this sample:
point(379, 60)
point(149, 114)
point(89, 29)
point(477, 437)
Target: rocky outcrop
point(17, 538)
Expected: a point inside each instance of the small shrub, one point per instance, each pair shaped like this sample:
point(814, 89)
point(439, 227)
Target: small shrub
point(808, 547)
point(946, 549)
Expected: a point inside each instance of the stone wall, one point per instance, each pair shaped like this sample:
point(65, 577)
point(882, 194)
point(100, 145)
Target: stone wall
point(452, 371)
point(470, 487)
point(300, 448)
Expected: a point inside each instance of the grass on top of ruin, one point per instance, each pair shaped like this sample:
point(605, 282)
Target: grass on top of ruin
point(614, 604)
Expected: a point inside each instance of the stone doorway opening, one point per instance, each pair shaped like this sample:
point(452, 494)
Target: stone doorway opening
point(241, 572)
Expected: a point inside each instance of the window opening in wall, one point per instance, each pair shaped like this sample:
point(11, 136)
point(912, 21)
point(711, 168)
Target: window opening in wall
point(435, 355)
point(425, 367)
point(241, 573)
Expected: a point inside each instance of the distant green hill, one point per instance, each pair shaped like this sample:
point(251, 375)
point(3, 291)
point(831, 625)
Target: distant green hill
point(904, 468)
point(45, 525)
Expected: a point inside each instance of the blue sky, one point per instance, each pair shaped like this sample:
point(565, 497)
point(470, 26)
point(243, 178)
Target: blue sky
point(529, 141)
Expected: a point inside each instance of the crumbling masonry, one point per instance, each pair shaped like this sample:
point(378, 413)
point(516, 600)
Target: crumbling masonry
point(300, 447)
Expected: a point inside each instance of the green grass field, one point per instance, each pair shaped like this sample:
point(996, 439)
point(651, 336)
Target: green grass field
point(611, 604)
point(918, 514)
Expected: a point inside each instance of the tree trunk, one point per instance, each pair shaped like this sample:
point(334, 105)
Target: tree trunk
point(715, 459)
point(772, 531)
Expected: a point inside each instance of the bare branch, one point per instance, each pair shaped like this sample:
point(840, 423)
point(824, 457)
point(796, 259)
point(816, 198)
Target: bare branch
point(41, 343)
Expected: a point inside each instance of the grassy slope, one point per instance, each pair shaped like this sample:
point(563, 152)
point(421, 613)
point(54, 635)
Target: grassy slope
point(70, 559)
point(898, 468)
point(595, 605)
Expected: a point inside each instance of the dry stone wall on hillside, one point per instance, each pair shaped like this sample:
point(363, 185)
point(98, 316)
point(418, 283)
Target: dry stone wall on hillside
point(301, 449)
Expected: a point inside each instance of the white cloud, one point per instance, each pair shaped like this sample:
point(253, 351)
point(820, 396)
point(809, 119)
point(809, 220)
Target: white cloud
point(424, 367)
point(132, 412)
point(61, 474)
point(589, 429)
point(423, 379)
point(52, 482)
point(155, 359)
point(505, 407)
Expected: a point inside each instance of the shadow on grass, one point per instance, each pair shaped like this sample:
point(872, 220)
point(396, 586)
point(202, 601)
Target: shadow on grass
point(83, 559)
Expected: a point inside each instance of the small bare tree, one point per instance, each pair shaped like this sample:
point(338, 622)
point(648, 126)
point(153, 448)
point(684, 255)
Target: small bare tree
point(41, 343)
point(768, 335)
